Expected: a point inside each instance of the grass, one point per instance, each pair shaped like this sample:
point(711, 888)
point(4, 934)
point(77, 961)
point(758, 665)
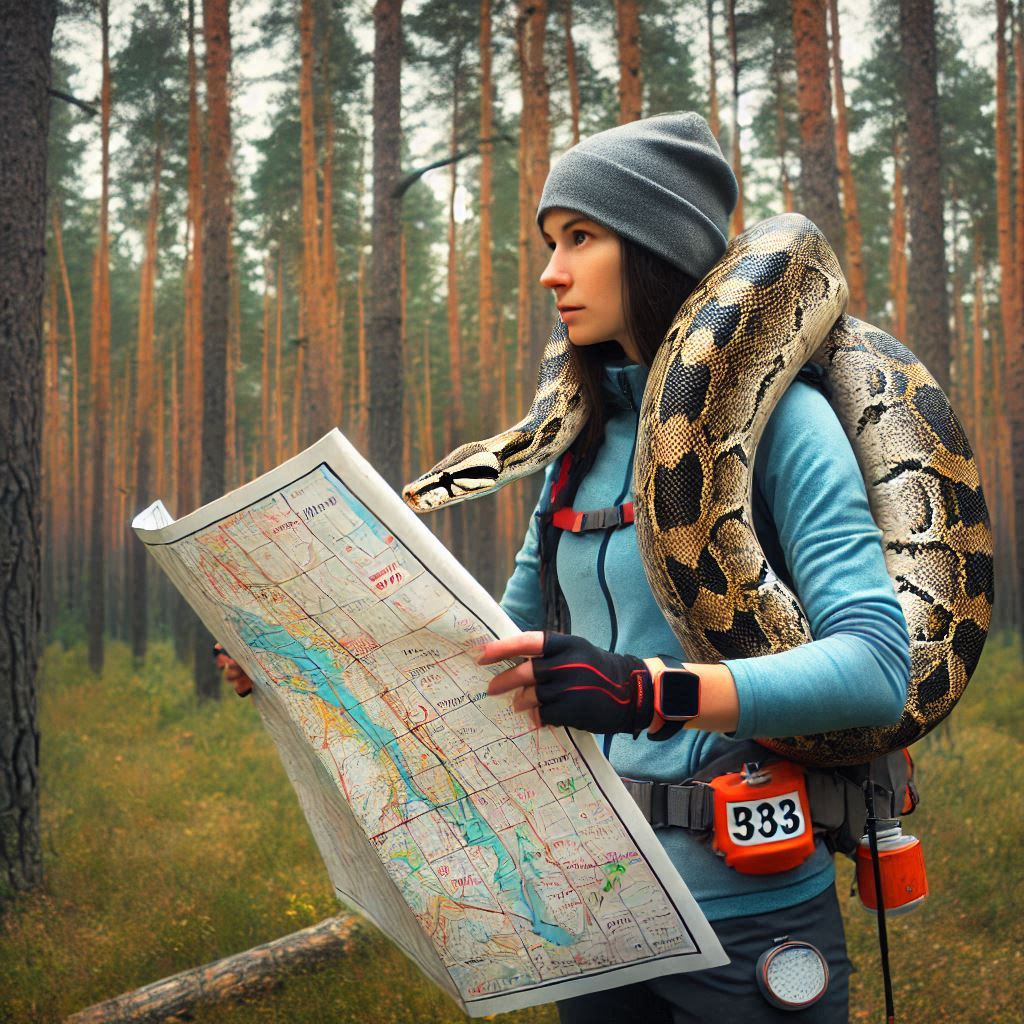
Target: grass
point(172, 838)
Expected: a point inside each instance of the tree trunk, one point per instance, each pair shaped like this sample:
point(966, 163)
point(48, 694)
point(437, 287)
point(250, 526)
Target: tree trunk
point(266, 416)
point(570, 65)
point(456, 370)
point(216, 287)
point(314, 417)
point(927, 302)
point(819, 179)
point(385, 335)
point(487, 559)
point(26, 33)
point(535, 312)
point(100, 358)
point(75, 509)
point(851, 212)
point(631, 83)
point(193, 327)
point(898, 245)
point(781, 135)
point(333, 353)
point(1004, 190)
point(144, 426)
point(713, 118)
point(278, 379)
point(1013, 343)
point(243, 975)
point(1018, 245)
point(738, 222)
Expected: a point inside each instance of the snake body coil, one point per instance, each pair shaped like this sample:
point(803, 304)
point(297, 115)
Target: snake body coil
point(774, 301)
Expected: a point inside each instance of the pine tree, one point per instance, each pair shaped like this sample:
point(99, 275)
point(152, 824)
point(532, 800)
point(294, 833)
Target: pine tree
point(819, 180)
point(216, 285)
point(928, 305)
point(27, 31)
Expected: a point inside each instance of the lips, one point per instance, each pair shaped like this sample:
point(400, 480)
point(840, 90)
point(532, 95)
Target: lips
point(568, 309)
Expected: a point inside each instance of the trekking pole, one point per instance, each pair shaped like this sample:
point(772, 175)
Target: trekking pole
point(876, 867)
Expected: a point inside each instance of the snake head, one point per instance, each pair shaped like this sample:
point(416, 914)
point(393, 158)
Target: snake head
point(469, 472)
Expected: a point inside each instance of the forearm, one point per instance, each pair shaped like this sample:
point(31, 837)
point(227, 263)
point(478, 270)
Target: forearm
point(719, 701)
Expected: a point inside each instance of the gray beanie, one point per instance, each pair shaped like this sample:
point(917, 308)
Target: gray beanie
point(661, 182)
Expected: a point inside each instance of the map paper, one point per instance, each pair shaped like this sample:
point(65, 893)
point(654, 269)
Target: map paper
point(507, 862)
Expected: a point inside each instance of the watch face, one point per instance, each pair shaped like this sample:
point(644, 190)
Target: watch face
point(680, 694)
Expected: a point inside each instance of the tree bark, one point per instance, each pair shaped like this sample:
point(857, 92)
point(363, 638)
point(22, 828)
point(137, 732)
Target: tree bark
point(144, 426)
point(1004, 190)
point(739, 220)
point(314, 414)
point(75, 509)
point(851, 212)
point(898, 245)
point(1013, 333)
point(927, 301)
point(385, 335)
point(487, 558)
point(535, 161)
point(631, 82)
point(235, 977)
point(713, 117)
point(570, 70)
point(191, 441)
point(819, 179)
point(100, 367)
point(216, 287)
point(26, 33)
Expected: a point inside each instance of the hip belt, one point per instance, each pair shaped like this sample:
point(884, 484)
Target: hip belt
point(749, 800)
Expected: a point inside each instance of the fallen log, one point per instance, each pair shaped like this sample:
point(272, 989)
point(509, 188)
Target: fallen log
point(234, 977)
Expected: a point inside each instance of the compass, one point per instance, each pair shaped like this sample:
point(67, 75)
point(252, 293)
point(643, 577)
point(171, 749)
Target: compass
point(792, 975)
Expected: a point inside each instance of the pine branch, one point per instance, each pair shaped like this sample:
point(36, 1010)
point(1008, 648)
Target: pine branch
point(74, 101)
point(412, 177)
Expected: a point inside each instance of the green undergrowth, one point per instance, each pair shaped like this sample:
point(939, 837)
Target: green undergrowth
point(172, 838)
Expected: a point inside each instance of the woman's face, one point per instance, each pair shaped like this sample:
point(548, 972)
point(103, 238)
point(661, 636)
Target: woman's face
point(585, 274)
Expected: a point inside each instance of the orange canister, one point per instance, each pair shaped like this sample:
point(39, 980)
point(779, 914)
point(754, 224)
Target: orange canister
point(901, 864)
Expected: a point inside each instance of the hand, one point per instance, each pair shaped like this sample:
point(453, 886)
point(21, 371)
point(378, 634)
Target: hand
point(568, 681)
point(233, 672)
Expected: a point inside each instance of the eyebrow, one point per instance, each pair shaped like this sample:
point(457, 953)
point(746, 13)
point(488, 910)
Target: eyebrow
point(568, 224)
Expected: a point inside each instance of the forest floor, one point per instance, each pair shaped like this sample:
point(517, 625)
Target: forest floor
point(172, 838)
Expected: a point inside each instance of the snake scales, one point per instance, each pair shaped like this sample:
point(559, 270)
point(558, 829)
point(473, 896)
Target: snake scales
point(774, 301)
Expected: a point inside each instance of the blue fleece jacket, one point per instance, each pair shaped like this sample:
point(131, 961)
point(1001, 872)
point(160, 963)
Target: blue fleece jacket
point(855, 672)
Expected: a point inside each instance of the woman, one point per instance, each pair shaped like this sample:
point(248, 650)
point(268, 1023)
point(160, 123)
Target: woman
point(634, 217)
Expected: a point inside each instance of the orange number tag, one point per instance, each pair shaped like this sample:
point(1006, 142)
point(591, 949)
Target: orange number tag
point(762, 819)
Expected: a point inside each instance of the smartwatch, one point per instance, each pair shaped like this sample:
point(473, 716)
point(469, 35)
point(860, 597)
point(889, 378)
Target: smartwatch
point(677, 694)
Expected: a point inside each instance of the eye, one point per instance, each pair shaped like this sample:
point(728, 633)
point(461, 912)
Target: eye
point(551, 246)
point(578, 234)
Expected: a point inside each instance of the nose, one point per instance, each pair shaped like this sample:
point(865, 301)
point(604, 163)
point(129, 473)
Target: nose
point(555, 274)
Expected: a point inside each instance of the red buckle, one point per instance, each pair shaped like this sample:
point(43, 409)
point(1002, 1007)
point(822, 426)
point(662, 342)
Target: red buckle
point(627, 513)
point(567, 519)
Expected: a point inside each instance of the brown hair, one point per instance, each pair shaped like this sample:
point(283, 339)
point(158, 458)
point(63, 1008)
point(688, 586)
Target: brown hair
point(652, 292)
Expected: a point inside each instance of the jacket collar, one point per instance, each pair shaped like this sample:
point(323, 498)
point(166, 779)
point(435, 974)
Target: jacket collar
point(623, 384)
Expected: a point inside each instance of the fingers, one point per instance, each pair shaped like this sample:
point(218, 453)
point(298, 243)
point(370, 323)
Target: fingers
point(512, 679)
point(522, 645)
point(235, 675)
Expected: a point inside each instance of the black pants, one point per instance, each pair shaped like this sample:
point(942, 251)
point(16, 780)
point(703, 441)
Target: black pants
point(722, 995)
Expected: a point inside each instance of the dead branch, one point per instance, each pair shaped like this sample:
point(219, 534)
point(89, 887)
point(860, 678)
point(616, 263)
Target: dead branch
point(74, 101)
point(234, 977)
point(412, 177)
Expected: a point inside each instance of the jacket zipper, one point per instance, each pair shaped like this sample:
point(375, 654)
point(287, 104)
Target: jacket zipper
point(601, 577)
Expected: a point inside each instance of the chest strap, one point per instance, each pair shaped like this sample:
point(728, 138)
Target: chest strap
point(598, 519)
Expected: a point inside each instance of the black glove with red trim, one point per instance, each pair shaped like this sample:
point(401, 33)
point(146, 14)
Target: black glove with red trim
point(581, 685)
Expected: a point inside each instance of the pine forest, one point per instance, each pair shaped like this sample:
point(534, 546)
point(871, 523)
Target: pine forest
point(264, 220)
